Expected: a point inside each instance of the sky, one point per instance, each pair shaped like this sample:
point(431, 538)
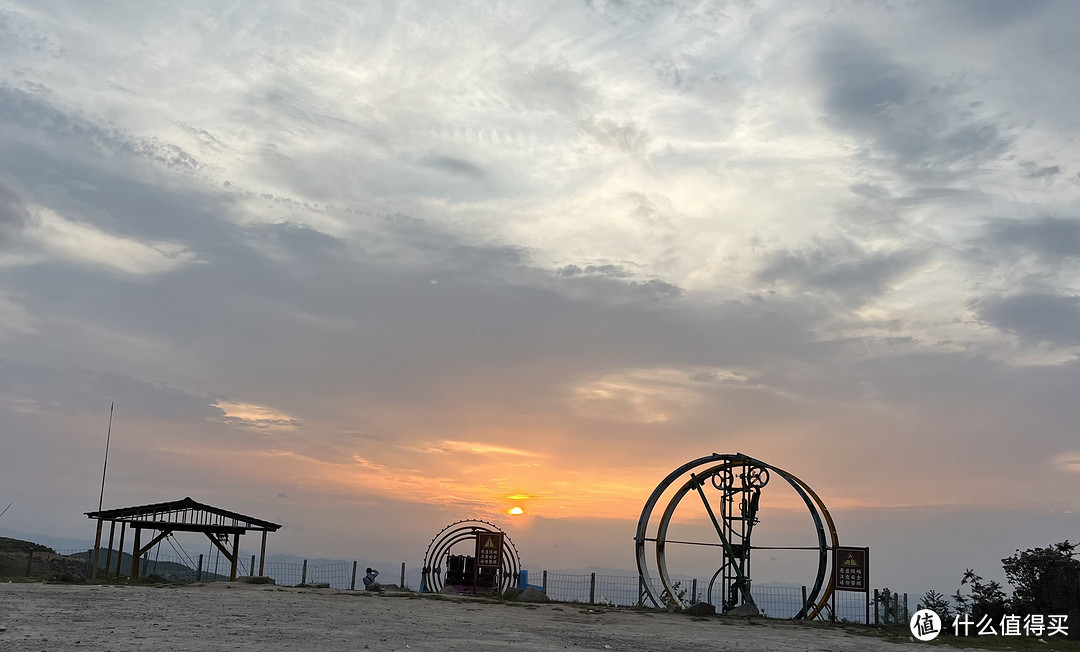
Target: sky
point(368, 269)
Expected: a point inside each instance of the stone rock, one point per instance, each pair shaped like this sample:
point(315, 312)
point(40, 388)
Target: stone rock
point(512, 593)
point(700, 609)
point(448, 590)
point(533, 595)
point(256, 580)
point(743, 610)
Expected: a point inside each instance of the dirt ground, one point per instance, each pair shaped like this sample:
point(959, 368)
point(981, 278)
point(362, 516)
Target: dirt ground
point(227, 616)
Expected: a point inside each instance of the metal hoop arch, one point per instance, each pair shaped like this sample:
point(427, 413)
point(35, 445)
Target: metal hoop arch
point(722, 465)
point(454, 534)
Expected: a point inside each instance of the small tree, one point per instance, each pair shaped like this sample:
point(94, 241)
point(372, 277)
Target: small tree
point(985, 598)
point(1045, 580)
point(939, 604)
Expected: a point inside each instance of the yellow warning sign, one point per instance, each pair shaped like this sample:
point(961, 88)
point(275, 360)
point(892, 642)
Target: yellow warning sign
point(850, 561)
point(489, 543)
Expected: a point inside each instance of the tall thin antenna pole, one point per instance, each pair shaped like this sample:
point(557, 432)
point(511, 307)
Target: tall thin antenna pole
point(6, 509)
point(101, 500)
point(105, 466)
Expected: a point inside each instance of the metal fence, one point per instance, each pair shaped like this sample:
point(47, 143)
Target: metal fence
point(621, 590)
point(773, 601)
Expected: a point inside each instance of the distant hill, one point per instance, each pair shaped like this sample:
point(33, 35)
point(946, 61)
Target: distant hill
point(56, 543)
point(45, 563)
point(18, 545)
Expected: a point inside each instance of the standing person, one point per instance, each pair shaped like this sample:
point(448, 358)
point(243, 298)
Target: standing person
point(369, 579)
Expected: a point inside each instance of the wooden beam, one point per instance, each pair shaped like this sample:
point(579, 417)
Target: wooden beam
point(262, 554)
point(120, 559)
point(188, 527)
point(108, 555)
point(220, 547)
point(134, 556)
point(97, 550)
point(153, 541)
point(235, 555)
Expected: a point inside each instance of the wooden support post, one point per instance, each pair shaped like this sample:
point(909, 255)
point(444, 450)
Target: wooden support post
point(120, 548)
point(303, 573)
point(262, 554)
point(108, 553)
point(136, 551)
point(352, 584)
point(97, 549)
point(805, 607)
point(592, 588)
point(402, 584)
point(198, 571)
point(235, 555)
point(543, 583)
point(693, 591)
point(876, 607)
point(832, 613)
point(907, 616)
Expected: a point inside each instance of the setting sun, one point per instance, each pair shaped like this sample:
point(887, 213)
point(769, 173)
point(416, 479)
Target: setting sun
point(516, 510)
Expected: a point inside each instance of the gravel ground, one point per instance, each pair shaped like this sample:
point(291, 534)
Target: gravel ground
point(227, 616)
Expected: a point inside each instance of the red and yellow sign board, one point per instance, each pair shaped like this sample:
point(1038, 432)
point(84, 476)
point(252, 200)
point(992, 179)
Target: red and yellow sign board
point(489, 547)
point(851, 569)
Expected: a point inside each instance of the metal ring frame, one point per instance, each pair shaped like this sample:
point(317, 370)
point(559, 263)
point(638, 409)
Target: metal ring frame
point(720, 471)
point(458, 532)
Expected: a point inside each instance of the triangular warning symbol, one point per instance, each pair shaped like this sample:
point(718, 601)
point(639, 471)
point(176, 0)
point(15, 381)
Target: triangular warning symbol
point(850, 561)
point(489, 543)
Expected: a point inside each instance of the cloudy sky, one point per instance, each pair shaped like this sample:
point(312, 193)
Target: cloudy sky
point(372, 268)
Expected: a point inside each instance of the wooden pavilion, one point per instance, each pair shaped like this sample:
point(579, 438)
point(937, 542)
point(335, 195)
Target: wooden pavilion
point(187, 515)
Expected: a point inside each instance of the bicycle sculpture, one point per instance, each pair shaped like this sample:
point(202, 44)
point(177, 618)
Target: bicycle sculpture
point(492, 567)
point(735, 483)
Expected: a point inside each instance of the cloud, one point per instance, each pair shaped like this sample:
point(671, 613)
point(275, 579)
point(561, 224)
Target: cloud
point(457, 166)
point(840, 267)
point(1035, 317)
point(478, 448)
point(1053, 240)
point(1033, 170)
point(256, 417)
point(910, 121)
point(84, 244)
point(14, 214)
point(1068, 462)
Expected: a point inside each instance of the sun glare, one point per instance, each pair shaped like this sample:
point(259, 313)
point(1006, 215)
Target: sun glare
point(516, 510)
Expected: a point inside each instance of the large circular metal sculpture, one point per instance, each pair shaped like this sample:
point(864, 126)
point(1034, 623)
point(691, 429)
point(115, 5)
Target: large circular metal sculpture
point(736, 482)
point(442, 567)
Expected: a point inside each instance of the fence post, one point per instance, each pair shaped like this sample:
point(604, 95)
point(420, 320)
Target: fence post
point(352, 584)
point(907, 616)
point(804, 600)
point(543, 583)
point(303, 574)
point(592, 588)
point(252, 569)
point(198, 572)
point(402, 585)
point(693, 591)
point(876, 621)
point(29, 562)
